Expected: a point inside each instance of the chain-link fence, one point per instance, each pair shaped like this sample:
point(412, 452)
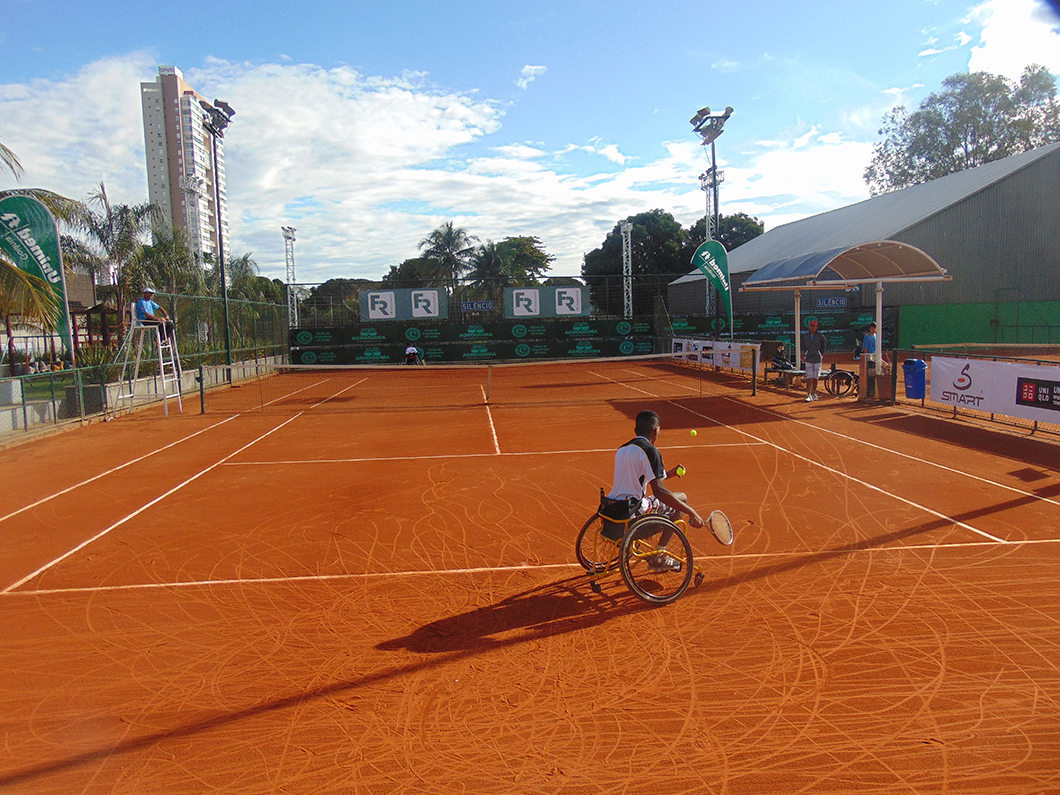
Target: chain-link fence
point(39, 387)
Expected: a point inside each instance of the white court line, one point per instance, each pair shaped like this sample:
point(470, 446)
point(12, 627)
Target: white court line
point(377, 459)
point(905, 455)
point(325, 400)
point(310, 578)
point(493, 430)
point(295, 392)
point(851, 478)
point(112, 470)
point(143, 508)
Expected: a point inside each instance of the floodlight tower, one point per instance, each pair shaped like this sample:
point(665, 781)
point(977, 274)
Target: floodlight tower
point(215, 121)
point(708, 126)
point(292, 299)
point(627, 269)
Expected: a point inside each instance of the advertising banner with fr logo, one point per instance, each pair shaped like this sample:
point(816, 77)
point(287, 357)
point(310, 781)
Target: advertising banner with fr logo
point(535, 302)
point(421, 304)
point(712, 260)
point(30, 239)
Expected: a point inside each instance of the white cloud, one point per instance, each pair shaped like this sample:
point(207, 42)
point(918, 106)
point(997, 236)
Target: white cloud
point(529, 75)
point(1015, 34)
point(366, 166)
point(611, 153)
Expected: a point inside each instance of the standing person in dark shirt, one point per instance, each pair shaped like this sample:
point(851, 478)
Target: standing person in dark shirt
point(814, 345)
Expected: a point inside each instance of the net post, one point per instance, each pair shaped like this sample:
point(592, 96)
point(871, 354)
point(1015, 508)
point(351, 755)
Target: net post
point(754, 372)
point(489, 381)
point(201, 378)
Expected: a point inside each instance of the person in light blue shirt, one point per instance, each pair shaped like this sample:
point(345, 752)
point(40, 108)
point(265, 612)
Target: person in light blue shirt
point(868, 342)
point(150, 313)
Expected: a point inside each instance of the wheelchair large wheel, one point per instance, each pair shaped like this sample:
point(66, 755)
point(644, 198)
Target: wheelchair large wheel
point(596, 553)
point(656, 576)
point(839, 383)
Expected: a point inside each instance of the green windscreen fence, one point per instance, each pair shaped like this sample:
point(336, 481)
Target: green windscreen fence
point(1008, 323)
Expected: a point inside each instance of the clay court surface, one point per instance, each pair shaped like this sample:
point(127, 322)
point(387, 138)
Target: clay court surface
point(388, 601)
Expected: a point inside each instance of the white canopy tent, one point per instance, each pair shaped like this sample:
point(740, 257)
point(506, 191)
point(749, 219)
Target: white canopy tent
point(868, 263)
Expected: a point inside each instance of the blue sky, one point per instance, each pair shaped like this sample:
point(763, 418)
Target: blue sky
point(365, 125)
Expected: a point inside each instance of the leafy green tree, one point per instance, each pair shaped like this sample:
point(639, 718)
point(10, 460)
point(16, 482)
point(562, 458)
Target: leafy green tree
point(338, 299)
point(414, 273)
point(734, 231)
point(977, 118)
point(527, 257)
point(451, 247)
point(656, 253)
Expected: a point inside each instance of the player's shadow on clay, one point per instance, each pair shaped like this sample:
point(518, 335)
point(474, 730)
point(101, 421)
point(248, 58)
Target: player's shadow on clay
point(550, 609)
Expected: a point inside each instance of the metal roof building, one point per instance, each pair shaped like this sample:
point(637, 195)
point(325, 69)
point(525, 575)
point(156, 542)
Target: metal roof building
point(995, 229)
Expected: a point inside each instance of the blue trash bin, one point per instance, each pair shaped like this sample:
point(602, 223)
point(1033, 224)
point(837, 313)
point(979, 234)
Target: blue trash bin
point(914, 372)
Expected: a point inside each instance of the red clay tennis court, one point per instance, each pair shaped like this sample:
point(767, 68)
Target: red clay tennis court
point(325, 591)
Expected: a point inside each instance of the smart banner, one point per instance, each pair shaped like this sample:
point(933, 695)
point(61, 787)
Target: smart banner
point(30, 239)
point(1029, 391)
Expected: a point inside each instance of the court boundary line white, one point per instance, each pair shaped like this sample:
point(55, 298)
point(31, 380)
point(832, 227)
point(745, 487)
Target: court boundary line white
point(493, 430)
point(943, 467)
point(311, 578)
point(112, 470)
point(141, 509)
point(384, 459)
point(859, 481)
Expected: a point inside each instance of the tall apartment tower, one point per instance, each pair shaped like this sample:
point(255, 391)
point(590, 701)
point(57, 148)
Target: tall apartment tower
point(180, 161)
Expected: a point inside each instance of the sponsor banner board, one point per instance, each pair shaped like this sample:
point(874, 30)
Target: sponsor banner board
point(536, 302)
point(378, 306)
point(480, 351)
point(508, 330)
point(733, 355)
point(1031, 392)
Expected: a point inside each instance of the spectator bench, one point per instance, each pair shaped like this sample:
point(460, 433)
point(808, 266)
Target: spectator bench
point(788, 378)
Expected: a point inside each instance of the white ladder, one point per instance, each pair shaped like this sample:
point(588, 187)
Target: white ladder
point(168, 362)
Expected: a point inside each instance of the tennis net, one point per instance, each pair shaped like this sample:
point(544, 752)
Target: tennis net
point(283, 388)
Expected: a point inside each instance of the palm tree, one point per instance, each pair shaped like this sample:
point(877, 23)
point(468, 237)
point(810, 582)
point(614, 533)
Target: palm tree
point(491, 267)
point(168, 263)
point(451, 247)
point(10, 159)
point(116, 234)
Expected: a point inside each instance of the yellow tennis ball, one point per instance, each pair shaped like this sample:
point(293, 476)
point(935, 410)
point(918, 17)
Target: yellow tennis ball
point(680, 471)
point(692, 432)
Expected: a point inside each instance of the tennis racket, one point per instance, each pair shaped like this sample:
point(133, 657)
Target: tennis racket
point(721, 527)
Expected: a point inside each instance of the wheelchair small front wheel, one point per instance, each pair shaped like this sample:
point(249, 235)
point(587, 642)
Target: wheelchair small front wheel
point(656, 560)
point(596, 553)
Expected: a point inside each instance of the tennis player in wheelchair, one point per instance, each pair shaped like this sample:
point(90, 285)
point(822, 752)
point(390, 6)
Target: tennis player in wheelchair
point(638, 464)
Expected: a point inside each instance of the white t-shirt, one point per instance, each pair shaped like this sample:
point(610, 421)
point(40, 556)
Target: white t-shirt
point(637, 463)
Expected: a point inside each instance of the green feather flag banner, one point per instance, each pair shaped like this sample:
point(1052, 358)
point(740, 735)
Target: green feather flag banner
point(711, 258)
point(30, 239)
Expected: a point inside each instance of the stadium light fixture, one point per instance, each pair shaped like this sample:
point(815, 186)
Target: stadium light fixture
point(215, 121)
